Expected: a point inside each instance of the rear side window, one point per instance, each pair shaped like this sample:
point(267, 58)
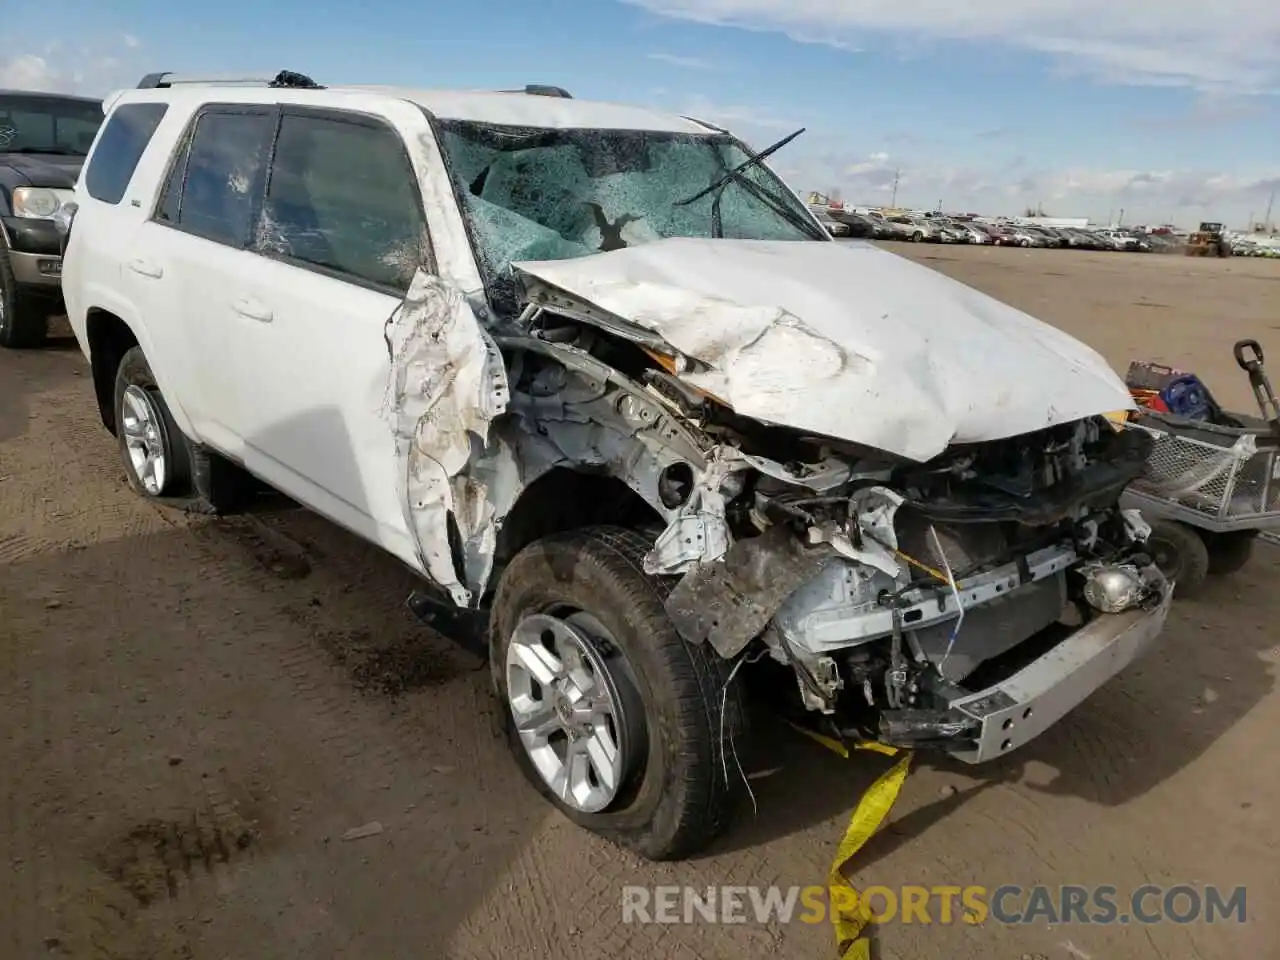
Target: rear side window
point(217, 175)
point(119, 149)
point(343, 197)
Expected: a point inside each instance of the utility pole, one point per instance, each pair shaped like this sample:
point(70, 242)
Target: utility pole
point(893, 204)
point(1270, 201)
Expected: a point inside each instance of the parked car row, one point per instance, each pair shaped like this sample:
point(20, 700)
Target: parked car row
point(1247, 247)
point(934, 229)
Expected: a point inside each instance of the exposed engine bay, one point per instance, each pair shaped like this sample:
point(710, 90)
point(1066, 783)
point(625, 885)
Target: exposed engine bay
point(887, 586)
point(965, 593)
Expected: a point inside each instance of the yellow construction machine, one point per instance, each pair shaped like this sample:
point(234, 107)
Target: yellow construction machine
point(1208, 241)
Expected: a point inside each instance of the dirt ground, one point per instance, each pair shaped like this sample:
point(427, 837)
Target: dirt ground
point(194, 712)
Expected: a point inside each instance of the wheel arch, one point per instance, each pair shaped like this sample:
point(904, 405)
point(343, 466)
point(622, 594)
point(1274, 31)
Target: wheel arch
point(108, 337)
point(564, 499)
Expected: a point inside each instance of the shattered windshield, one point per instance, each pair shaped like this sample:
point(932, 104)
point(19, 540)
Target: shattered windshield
point(35, 123)
point(542, 194)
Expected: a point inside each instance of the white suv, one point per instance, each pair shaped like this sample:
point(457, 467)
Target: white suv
point(600, 377)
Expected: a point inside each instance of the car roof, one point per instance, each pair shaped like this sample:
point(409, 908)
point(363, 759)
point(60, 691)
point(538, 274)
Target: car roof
point(481, 106)
point(47, 95)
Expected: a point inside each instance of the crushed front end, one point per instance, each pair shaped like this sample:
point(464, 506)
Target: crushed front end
point(966, 603)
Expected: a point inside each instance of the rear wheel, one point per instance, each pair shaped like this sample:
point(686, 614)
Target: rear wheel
point(611, 715)
point(156, 455)
point(1180, 553)
point(1229, 552)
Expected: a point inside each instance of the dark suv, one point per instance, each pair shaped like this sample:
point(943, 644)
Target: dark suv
point(43, 141)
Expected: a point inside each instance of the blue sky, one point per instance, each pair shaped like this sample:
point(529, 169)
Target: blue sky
point(1169, 109)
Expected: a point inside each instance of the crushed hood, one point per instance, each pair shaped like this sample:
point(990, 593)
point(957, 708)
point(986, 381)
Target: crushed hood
point(845, 340)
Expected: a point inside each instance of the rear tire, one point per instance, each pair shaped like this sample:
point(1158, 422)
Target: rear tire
point(673, 797)
point(1229, 552)
point(1180, 553)
point(24, 319)
point(155, 453)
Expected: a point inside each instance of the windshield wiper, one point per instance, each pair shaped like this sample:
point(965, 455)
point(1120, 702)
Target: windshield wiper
point(747, 164)
point(766, 197)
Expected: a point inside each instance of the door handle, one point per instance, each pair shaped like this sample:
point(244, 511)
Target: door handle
point(248, 307)
point(146, 268)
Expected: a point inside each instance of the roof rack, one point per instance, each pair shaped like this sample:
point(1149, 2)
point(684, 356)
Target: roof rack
point(542, 90)
point(285, 78)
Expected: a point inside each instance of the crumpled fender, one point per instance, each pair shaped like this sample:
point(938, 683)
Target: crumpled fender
point(446, 387)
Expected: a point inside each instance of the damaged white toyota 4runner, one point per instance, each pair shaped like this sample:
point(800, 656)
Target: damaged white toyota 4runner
point(599, 376)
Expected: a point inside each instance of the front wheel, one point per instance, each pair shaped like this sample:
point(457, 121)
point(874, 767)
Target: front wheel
point(917, 237)
point(611, 715)
point(1024, 243)
point(156, 455)
point(24, 320)
point(1180, 553)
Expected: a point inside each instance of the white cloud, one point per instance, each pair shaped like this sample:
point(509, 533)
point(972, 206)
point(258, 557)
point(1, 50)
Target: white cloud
point(675, 60)
point(1224, 45)
point(89, 68)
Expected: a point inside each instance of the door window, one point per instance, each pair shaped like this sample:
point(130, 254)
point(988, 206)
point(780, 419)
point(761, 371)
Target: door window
point(213, 190)
point(342, 197)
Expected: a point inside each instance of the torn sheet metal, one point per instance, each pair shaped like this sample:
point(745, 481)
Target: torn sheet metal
point(873, 509)
point(730, 602)
point(699, 534)
point(447, 385)
point(847, 341)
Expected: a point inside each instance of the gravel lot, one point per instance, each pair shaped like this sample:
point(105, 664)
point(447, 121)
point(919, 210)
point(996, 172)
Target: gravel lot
point(194, 712)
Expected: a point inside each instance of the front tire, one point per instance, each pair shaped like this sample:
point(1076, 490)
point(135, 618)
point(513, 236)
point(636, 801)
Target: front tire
point(576, 623)
point(156, 455)
point(1180, 553)
point(24, 319)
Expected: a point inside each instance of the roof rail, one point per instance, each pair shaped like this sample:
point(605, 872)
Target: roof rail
point(285, 78)
point(542, 90)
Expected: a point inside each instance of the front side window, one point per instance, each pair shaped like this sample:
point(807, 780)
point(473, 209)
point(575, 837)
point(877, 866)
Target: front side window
point(542, 194)
point(342, 196)
point(125, 138)
point(217, 186)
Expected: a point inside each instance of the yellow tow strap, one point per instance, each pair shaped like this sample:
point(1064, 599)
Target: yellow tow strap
point(849, 916)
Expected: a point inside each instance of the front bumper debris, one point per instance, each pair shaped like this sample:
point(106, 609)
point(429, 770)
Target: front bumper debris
point(1016, 710)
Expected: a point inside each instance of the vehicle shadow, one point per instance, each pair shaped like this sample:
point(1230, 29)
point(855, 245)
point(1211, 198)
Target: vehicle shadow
point(1208, 671)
